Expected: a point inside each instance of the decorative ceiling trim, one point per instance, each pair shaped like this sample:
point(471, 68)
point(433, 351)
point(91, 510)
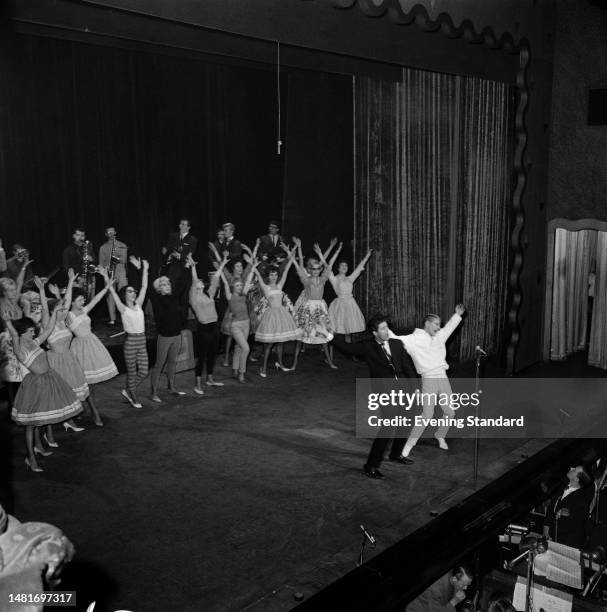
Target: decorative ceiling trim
point(443, 22)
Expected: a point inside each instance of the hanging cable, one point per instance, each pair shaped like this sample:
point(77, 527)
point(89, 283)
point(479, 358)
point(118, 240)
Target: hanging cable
point(278, 140)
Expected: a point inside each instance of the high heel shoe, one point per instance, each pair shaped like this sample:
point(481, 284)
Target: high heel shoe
point(39, 451)
point(67, 426)
point(263, 374)
point(31, 468)
point(51, 444)
point(281, 367)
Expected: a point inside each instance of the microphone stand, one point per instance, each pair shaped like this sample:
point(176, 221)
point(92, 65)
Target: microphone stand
point(530, 564)
point(477, 384)
point(361, 555)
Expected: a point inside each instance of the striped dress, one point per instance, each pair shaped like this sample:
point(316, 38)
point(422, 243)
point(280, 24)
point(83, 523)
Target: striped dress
point(62, 360)
point(95, 361)
point(45, 398)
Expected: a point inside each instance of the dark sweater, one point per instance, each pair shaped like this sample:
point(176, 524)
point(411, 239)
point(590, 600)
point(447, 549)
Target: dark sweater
point(168, 314)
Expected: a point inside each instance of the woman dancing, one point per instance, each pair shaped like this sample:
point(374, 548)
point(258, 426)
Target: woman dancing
point(130, 306)
point(60, 358)
point(44, 398)
point(277, 325)
point(169, 317)
point(239, 272)
point(240, 326)
point(346, 316)
point(207, 331)
point(12, 371)
point(312, 317)
point(93, 357)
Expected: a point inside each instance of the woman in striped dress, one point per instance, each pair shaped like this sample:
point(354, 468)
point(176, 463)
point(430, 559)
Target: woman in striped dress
point(93, 357)
point(60, 358)
point(130, 306)
point(277, 324)
point(44, 398)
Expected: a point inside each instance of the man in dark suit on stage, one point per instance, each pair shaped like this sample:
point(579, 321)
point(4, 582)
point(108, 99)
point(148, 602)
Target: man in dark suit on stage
point(269, 245)
point(386, 359)
point(568, 511)
point(232, 246)
point(179, 245)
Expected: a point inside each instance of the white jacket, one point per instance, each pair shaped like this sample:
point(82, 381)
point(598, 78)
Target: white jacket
point(429, 352)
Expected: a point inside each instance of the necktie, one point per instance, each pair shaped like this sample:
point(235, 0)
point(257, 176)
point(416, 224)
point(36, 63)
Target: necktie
point(389, 358)
point(273, 241)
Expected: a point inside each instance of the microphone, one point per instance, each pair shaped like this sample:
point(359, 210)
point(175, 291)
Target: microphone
point(367, 535)
point(480, 351)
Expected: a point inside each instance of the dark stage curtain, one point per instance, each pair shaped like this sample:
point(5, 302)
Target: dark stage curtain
point(432, 193)
point(95, 136)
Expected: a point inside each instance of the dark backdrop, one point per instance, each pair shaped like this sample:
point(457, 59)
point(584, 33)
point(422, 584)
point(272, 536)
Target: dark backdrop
point(95, 136)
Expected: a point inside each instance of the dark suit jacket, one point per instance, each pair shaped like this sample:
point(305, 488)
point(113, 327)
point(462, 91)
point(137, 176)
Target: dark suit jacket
point(435, 598)
point(379, 366)
point(183, 246)
point(233, 248)
point(570, 530)
point(267, 248)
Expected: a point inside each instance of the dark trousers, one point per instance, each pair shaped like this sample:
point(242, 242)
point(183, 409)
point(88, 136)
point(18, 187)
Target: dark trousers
point(207, 342)
point(378, 448)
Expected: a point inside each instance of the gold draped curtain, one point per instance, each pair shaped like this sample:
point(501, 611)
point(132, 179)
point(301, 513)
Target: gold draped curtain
point(432, 157)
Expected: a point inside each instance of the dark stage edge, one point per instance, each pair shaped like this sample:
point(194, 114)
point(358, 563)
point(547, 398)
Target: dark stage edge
point(237, 500)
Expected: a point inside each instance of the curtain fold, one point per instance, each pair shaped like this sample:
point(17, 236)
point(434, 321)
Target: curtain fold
point(597, 349)
point(432, 191)
point(574, 253)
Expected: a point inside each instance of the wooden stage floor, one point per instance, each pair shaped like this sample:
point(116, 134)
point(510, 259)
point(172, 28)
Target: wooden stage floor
point(236, 500)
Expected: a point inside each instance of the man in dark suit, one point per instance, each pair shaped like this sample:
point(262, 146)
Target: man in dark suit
point(386, 359)
point(568, 511)
point(232, 246)
point(179, 245)
point(269, 245)
point(445, 593)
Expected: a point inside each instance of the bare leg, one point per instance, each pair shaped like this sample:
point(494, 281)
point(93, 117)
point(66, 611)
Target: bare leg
point(50, 436)
point(297, 351)
point(279, 355)
point(198, 388)
point(226, 358)
point(29, 447)
point(266, 354)
point(93, 408)
point(328, 357)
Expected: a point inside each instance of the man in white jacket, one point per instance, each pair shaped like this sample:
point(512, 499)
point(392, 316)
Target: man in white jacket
point(428, 352)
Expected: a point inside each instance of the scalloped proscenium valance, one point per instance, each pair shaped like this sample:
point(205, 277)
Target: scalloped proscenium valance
point(494, 22)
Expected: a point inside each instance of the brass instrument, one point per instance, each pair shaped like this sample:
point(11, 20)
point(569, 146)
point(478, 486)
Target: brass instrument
point(114, 261)
point(88, 269)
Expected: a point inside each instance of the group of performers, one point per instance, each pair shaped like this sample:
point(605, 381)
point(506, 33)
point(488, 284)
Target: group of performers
point(244, 299)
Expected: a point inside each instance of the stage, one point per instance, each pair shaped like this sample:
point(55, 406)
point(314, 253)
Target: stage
point(235, 500)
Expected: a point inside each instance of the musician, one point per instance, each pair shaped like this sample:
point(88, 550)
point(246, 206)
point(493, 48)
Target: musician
point(568, 511)
point(597, 517)
point(179, 245)
point(269, 245)
point(232, 246)
point(14, 265)
point(113, 256)
point(80, 256)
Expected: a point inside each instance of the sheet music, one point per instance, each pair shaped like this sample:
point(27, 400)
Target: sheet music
point(564, 565)
point(542, 598)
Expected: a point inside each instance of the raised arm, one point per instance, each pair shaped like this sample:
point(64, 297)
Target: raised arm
point(226, 285)
point(71, 278)
point(452, 323)
point(265, 288)
point(217, 276)
point(285, 272)
point(361, 266)
point(21, 276)
point(43, 301)
point(144, 282)
point(2, 259)
point(297, 243)
point(215, 252)
point(331, 245)
point(50, 325)
point(110, 287)
point(249, 281)
point(99, 296)
point(15, 339)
